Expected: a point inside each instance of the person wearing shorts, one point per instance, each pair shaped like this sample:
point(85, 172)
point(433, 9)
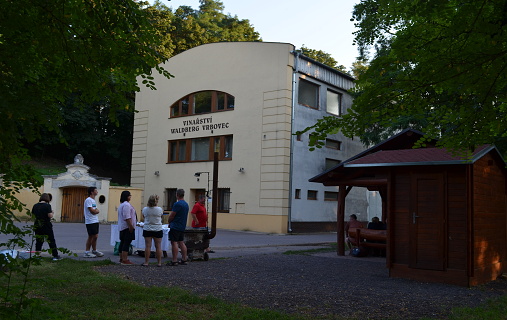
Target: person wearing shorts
point(127, 220)
point(152, 229)
point(177, 224)
point(91, 213)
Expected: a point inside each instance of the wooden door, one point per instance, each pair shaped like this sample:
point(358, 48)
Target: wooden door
point(427, 222)
point(73, 204)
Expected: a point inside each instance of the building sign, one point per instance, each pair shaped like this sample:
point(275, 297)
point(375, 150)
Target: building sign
point(200, 124)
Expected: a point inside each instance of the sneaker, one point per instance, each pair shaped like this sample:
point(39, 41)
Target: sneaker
point(57, 258)
point(98, 253)
point(89, 255)
point(127, 263)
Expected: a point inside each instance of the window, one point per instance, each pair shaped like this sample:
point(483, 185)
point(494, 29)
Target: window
point(177, 150)
point(224, 197)
point(299, 137)
point(297, 194)
point(308, 94)
point(170, 198)
point(334, 103)
point(330, 196)
point(200, 149)
point(330, 163)
point(202, 102)
point(333, 144)
point(312, 195)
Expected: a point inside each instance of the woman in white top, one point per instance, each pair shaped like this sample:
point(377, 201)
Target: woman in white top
point(152, 229)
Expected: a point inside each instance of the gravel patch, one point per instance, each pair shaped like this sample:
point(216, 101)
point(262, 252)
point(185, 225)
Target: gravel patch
point(320, 285)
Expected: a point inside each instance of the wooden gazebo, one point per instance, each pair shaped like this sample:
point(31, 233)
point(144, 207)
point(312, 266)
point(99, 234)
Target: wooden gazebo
point(446, 215)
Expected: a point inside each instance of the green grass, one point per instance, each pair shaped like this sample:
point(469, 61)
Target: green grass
point(72, 289)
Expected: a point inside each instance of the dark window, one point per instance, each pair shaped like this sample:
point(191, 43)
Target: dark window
point(297, 194)
point(333, 144)
point(312, 195)
point(330, 163)
point(224, 199)
point(308, 94)
point(170, 198)
point(330, 196)
point(202, 102)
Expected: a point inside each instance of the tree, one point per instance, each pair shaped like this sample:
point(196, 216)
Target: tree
point(50, 53)
point(322, 57)
point(191, 28)
point(176, 32)
point(439, 66)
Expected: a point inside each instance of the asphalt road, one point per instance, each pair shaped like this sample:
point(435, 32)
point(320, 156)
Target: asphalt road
point(227, 243)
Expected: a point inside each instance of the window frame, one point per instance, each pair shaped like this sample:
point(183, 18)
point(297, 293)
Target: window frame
point(311, 197)
point(211, 149)
point(340, 97)
point(224, 193)
point(317, 91)
point(178, 105)
point(338, 143)
point(334, 161)
point(327, 196)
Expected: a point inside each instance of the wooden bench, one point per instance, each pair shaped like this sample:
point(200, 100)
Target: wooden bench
point(369, 237)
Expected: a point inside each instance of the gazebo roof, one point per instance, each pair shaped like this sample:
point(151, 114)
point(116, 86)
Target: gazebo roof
point(394, 152)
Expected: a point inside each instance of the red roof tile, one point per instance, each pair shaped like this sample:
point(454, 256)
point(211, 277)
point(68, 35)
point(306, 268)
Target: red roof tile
point(411, 156)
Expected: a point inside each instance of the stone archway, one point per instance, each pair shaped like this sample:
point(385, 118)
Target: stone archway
point(69, 190)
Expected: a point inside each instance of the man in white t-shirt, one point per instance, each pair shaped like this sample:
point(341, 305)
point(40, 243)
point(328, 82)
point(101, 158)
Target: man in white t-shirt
point(92, 224)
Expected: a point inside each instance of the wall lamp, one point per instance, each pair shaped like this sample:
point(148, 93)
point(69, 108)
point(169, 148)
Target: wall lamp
point(157, 173)
point(242, 170)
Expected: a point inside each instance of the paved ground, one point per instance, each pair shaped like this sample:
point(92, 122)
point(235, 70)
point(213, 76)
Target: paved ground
point(226, 244)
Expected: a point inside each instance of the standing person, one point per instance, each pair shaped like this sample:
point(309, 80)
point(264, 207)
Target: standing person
point(127, 220)
point(177, 224)
point(152, 229)
point(43, 227)
point(92, 224)
point(200, 216)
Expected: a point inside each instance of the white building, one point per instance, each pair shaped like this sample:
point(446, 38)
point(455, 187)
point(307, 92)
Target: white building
point(245, 100)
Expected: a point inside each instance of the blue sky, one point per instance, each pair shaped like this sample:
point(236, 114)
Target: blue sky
point(318, 24)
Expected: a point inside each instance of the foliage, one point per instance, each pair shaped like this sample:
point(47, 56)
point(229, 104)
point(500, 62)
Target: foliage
point(208, 24)
point(439, 66)
point(322, 57)
point(90, 132)
point(53, 52)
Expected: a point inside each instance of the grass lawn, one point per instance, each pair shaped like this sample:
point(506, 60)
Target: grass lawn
point(72, 289)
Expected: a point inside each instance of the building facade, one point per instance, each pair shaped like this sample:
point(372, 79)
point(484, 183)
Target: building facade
point(245, 100)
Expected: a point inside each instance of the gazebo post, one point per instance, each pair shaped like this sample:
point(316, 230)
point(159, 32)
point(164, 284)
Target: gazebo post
point(340, 214)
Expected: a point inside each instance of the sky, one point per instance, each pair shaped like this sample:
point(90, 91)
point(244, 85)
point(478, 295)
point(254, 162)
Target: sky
point(317, 24)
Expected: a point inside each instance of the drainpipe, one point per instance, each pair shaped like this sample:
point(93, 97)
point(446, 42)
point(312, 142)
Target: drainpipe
point(294, 79)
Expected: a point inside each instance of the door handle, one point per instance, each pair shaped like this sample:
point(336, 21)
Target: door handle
point(413, 217)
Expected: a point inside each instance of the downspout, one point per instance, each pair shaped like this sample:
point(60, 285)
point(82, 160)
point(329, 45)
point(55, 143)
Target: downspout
point(294, 79)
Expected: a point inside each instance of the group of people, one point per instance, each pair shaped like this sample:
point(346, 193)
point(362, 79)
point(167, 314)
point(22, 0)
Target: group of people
point(152, 228)
point(127, 221)
point(353, 223)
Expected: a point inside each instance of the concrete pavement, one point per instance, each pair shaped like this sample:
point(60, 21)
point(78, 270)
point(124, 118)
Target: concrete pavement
point(226, 244)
